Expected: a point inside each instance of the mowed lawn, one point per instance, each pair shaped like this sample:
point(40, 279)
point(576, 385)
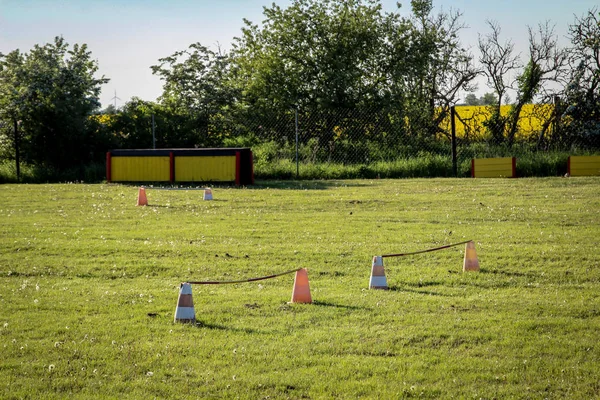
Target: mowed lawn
point(89, 285)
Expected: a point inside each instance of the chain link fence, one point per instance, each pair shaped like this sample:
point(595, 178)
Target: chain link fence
point(541, 136)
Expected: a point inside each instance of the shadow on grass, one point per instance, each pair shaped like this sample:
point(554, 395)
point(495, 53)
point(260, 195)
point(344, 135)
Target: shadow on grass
point(176, 207)
point(266, 184)
point(407, 289)
point(179, 188)
point(182, 206)
point(328, 304)
point(509, 273)
point(308, 184)
point(170, 186)
point(206, 325)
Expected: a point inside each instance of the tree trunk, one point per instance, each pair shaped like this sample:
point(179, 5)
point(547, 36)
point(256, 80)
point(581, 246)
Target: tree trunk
point(514, 123)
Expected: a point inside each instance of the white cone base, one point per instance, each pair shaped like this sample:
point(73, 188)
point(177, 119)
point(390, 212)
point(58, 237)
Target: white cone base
point(378, 282)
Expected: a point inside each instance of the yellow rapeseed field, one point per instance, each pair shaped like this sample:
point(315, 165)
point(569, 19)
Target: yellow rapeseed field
point(470, 121)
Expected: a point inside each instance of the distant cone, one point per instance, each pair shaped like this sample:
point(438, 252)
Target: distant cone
point(471, 263)
point(185, 305)
point(208, 194)
point(301, 292)
point(378, 280)
point(142, 200)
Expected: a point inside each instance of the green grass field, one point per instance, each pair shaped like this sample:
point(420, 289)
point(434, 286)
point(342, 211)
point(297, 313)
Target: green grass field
point(89, 285)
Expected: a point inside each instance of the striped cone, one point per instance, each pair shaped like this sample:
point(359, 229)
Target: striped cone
point(207, 194)
point(301, 291)
point(471, 263)
point(378, 280)
point(142, 199)
point(185, 305)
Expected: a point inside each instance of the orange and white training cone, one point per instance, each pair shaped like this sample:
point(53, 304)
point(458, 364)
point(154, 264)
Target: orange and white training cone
point(378, 280)
point(471, 263)
point(301, 292)
point(185, 305)
point(207, 194)
point(142, 200)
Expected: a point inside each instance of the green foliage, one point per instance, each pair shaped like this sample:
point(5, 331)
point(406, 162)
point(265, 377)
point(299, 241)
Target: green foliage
point(196, 93)
point(582, 94)
point(90, 283)
point(331, 61)
point(496, 125)
point(194, 80)
point(472, 100)
point(57, 92)
point(365, 85)
point(318, 53)
point(31, 173)
point(51, 91)
point(529, 82)
point(489, 99)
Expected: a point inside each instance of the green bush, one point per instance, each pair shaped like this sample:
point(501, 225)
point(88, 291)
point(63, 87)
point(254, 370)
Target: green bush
point(92, 173)
point(274, 160)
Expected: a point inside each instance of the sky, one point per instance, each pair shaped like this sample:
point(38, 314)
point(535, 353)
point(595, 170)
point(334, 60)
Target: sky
point(126, 37)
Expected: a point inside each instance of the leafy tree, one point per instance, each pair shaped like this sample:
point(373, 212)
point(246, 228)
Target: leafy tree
point(317, 53)
point(132, 125)
point(330, 59)
point(546, 64)
point(471, 100)
point(110, 110)
point(582, 94)
point(489, 99)
point(12, 100)
point(338, 57)
point(195, 91)
point(52, 91)
point(442, 67)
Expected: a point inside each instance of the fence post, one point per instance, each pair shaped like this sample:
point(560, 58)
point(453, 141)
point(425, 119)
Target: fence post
point(453, 127)
point(17, 151)
point(556, 122)
point(297, 167)
point(153, 135)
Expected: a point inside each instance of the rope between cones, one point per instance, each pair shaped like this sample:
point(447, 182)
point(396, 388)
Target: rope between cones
point(244, 280)
point(425, 251)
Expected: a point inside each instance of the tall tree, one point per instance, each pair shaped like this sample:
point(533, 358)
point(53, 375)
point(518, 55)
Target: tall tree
point(333, 56)
point(500, 64)
point(12, 100)
point(489, 99)
point(546, 64)
point(441, 66)
point(54, 95)
point(196, 89)
point(471, 100)
point(330, 58)
point(582, 94)
point(318, 53)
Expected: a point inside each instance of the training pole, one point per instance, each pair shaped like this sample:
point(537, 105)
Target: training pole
point(425, 251)
point(243, 280)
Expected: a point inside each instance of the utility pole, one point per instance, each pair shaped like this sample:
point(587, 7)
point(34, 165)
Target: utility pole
point(297, 165)
point(453, 127)
point(153, 136)
point(17, 158)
